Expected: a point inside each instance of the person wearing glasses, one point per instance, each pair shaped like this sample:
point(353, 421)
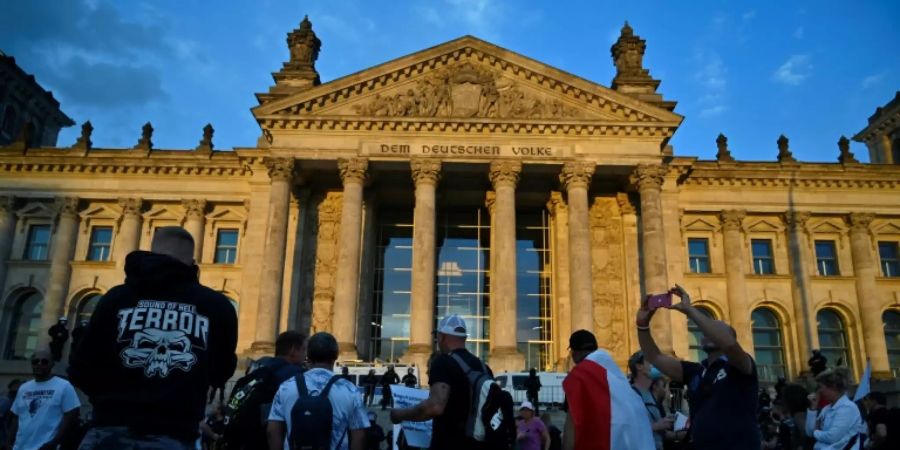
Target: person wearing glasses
point(45, 408)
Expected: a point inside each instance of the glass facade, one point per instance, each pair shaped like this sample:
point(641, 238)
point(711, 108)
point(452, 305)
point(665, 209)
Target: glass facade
point(695, 350)
point(698, 255)
point(393, 277)
point(101, 242)
point(832, 338)
point(762, 256)
point(768, 345)
point(534, 292)
point(37, 246)
point(25, 326)
point(891, 319)
point(826, 259)
point(890, 259)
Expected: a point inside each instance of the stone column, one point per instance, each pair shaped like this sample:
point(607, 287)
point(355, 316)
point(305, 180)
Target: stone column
point(576, 178)
point(804, 318)
point(425, 173)
point(866, 270)
point(346, 295)
point(128, 237)
point(649, 179)
point(738, 307)
point(504, 352)
point(281, 172)
point(62, 249)
point(7, 233)
point(194, 223)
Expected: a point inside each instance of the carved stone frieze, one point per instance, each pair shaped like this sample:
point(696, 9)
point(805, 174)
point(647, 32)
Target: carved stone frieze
point(194, 208)
point(625, 204)
point(797, 219)
point(576, 174)
point(467, 90)
point(732, 219)
point(505, 172)
point(649, 176)
point(860, 222)
point(131, 207)
point(425, 170)
point(328, 232)
point(608, 277)
point(280, 169)
point(67, 206)
point(353, 170)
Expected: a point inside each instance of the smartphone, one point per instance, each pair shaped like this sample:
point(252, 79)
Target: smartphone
point(659, 301)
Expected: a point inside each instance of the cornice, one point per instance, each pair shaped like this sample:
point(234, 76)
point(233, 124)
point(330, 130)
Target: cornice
point(124, 162)
point(803, 175)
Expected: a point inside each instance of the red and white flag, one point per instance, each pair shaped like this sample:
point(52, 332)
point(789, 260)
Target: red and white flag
point(607, 413)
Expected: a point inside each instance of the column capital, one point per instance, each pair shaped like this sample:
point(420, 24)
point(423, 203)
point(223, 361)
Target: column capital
point(649, 176)
point(194, 208)
point(505, 172)
point(67, 206)
point(797, 219)
point(130, 206)
point(353, 170)
point(556, 202)
point(490, 198)
point(576, 174)
point(732, 219)
point(7, 204)
point(425, 171)
point(859, 222)
point(625, 205)
point(280, 169)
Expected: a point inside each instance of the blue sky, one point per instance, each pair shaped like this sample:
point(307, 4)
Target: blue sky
point(813, 70)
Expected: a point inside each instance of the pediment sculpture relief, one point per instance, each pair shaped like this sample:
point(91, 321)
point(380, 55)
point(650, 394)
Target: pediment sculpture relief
point(466, 91)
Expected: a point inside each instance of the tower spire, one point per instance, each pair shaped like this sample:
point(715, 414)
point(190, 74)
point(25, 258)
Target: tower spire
point(299, 72)
point(631, 76)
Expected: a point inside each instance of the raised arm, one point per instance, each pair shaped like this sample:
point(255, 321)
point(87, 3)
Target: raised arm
point(668, 365)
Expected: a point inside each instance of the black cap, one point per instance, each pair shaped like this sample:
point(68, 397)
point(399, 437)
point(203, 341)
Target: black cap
point(582, 340)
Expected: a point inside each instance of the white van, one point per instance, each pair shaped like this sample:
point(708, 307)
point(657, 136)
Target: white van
point(551, 386)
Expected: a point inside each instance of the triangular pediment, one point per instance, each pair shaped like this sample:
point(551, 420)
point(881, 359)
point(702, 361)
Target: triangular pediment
point(700, 224)
point(886, 227)
point(99, 211)
point(829, 226)
point(466, 79)
point(765, 225)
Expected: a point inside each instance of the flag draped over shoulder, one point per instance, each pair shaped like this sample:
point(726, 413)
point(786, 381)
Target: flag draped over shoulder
point(607, 413)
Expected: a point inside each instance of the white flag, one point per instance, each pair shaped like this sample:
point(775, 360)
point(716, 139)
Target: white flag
point(864, 384)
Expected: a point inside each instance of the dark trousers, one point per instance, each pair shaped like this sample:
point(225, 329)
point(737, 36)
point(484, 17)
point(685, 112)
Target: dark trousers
point(533, 398)
point(386, 398)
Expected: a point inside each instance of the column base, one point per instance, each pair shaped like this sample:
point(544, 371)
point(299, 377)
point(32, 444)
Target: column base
point(347, 352)
point(506, 359)
point(418, 355)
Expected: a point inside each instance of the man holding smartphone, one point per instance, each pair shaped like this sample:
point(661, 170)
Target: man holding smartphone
point(722, 390)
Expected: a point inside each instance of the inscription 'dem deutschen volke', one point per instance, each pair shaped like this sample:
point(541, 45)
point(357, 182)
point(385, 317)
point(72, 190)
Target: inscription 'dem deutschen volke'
point(467, 150)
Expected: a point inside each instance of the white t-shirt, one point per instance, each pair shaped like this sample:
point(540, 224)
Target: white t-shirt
point(346, 404)
point(40, 407)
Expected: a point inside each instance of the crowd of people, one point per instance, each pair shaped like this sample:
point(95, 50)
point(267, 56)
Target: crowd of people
point(159, 346)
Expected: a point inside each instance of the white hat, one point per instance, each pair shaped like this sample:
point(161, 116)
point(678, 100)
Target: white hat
point(452, 325)
point(526, 405)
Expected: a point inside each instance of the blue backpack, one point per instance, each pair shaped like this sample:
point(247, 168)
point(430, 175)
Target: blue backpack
point(311, 418)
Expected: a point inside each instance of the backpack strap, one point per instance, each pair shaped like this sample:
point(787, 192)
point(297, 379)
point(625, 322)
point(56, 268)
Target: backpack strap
point(473, 400)
point(300, 379)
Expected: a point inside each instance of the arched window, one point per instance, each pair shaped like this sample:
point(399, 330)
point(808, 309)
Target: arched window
point(768, 345)
point(695, 350)
point(86, 307)
point(25, 326)
point(833, 338)
point(891, 319)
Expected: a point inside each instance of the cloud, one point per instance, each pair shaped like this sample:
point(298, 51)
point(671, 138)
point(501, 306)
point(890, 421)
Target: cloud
point(712, 83)
point(873, 80)
point(794, 71)
point(480, 17)
point(102, 83)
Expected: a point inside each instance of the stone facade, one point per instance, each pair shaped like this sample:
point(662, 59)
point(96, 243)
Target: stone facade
point(459, 124)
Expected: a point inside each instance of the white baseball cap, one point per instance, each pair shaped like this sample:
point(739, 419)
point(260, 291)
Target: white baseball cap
point(526, 405)
point(452, 325)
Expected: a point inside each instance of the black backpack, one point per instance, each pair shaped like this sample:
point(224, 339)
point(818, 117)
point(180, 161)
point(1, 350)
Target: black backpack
point(311, 418)
point(247, 409)
point(490, 419)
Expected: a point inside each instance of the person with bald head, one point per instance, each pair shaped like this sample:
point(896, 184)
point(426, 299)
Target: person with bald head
point(722, 390)
point(45, 408)
point(153, 348)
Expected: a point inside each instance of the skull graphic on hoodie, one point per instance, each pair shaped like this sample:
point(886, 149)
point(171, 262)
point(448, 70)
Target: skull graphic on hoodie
point(162, 336)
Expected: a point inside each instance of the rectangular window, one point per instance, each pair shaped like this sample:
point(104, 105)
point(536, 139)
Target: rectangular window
point(762, 256)
point(826, 259)
point(890, 259)
point(226, 246)
point(37, 247)
point(698, 255)
point(101, 242)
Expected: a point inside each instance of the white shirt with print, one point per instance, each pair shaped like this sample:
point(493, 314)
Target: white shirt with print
point(40, 406)
point(346, 405)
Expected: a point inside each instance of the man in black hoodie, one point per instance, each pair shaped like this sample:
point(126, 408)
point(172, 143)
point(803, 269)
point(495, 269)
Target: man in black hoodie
point(153, 348)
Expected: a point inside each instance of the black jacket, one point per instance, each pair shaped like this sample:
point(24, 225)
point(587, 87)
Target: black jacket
point(153, 348)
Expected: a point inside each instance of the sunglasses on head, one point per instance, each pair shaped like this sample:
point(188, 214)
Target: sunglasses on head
point(43, 361)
